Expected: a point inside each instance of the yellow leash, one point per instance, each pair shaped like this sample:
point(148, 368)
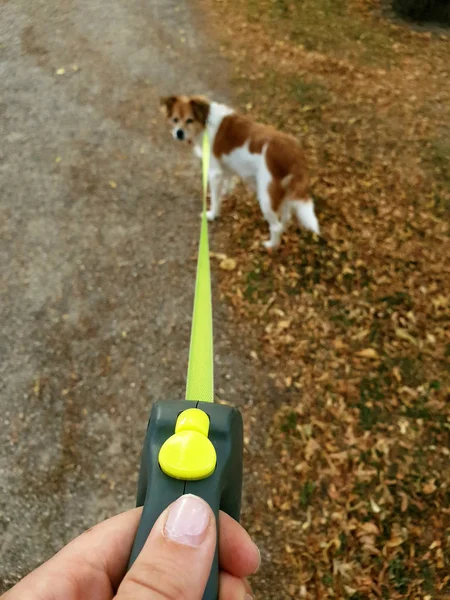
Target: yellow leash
point(200, 375)
point(203, 455)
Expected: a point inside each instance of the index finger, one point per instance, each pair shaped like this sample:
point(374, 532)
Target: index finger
point(106, 547)
point(99, 553)
point(238, 555)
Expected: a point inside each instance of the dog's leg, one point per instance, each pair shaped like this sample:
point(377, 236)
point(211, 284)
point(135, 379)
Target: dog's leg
point(306, 215)
point(265, 202)
point(276, 229)
point(216, 181)
point(286, 214)
point(229, 185)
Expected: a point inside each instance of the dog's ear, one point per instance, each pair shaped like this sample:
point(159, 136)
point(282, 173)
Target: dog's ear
point(166, 104)
point(200, 108)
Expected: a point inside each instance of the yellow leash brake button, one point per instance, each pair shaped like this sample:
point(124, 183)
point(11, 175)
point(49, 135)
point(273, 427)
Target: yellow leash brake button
point(193, 419)
point(188, 453)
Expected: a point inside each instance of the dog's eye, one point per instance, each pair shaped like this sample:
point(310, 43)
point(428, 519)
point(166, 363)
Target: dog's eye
point(175, 120)
point(189, 121)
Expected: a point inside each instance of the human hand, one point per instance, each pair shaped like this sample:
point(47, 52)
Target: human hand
point(174, 563)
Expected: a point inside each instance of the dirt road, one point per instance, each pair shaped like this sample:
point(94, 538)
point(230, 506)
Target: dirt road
point(98, 235)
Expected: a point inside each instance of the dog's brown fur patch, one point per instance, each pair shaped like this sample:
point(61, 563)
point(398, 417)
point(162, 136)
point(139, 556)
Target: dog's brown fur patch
point(183, 108)
point(284, 157)
point(200, 109)
point(167, 104)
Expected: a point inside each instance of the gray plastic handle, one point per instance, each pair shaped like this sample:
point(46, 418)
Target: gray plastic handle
point(222, 490)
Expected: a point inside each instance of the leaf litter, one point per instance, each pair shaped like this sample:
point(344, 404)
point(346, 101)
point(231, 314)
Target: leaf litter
point(347, 482)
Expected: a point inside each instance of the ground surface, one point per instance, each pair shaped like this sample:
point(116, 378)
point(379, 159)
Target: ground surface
point(98, 235)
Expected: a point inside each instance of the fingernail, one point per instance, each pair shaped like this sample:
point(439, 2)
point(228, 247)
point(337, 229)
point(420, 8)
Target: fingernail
point(259, 561)
point(188, 521)
point(248, 591)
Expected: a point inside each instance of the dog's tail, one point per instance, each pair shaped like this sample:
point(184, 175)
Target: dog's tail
point(304, 210)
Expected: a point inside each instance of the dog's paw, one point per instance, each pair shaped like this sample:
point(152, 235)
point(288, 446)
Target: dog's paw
point(210, 215)
point(270, 245)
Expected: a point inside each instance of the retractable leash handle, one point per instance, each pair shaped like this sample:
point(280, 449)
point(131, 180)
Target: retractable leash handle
point(193, 446)
point(221, 490)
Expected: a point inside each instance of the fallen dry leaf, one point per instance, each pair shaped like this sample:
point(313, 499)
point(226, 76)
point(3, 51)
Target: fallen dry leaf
point(394, 542)
point(404, 335)
point(228, 264)
point(311, 447)
point(374, 506)
point(429, 487)
point(368, 528)
point(368, 353)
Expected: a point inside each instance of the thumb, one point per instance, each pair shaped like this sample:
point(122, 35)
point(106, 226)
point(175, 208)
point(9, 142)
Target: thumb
point(176, 559)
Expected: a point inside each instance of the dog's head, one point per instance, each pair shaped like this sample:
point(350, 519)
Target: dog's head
point(186, 115)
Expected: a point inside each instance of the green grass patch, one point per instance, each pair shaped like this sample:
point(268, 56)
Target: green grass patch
point(399, 575)
point(370, 395)
point(332, 26)
point(441, 205)
point(340, 314)
point(398, 299)
point(307, 92)
point(307, 493)
point(421, 410)
point(259, 283)
point(426, 573)
point(289, 423)
point(410, 369)
point(439, 156)
point(436, 157)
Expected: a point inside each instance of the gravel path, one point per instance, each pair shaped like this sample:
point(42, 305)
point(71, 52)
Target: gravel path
point(98, 235)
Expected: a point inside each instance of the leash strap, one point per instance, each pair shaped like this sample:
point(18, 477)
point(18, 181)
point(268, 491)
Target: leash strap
point(203, 455)
point(200, 374)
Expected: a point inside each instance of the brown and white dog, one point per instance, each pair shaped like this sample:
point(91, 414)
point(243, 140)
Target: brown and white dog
point(269, 161)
